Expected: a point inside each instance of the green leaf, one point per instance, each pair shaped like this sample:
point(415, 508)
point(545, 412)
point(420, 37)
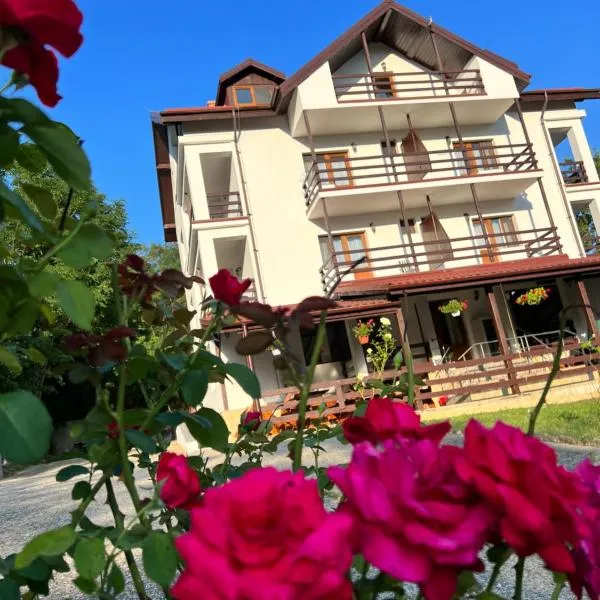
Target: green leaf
point(22, 111)
point(208, 428)
point(89, 557)
point(115, 581)
point(85, 585)
point(89, 243)
point(9, 590)
point(36, 356)
point(194, 386)
point(159, 558)
point(171, 419)
point(10, 361)
point(141, 440)
point(42, 198)
point(43, 284)
point(71, 471)
point(77, 301)
point(9, 144)
point(81, 490)
point(245, 377)
point(175, 361)
point(21, 209)
point(62, 149)
point(26, 427)
point(50, 543)
point(30, 158)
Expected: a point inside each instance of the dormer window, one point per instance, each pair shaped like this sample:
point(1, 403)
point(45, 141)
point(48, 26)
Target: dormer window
point(253, 95)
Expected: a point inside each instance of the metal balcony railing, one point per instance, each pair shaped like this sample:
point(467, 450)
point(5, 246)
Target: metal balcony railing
point(573, 172)
point(227, 205)
point(437, 254)
point(381, 170)
point(365, 87)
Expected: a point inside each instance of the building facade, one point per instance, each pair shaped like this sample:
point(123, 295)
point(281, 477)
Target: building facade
point(400, 168)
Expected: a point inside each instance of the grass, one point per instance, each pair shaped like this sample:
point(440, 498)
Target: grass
point(576, 423)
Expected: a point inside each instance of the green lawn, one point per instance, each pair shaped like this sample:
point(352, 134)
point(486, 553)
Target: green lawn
point(576, 423)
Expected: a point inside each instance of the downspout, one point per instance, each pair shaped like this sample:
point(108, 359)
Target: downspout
point(236, 130)
point(563, 193)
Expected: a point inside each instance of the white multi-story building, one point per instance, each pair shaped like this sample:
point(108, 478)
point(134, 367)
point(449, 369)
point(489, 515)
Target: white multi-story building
point(399, 168)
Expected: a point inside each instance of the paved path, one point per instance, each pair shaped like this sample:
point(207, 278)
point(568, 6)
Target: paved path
point(32, 502)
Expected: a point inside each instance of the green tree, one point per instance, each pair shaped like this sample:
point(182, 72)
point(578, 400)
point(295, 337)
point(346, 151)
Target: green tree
point(161, 256)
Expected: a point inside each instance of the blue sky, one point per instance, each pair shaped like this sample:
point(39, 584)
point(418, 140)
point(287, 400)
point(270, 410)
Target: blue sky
point(143, 56)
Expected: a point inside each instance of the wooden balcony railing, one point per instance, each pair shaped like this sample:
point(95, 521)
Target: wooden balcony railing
point(438, 254)
point(573, 172)
point(380, 170)
point(365, 87)
point(227, 205)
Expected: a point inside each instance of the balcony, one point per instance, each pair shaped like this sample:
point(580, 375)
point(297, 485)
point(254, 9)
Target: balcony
point(365, 87)
point(342, 179)
point(573, 172)
point(227, 205)
point(438, 254)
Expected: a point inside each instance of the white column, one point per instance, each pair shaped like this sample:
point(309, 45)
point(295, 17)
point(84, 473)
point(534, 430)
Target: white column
point(193, 169)
point(581, 149)
point(358, 357)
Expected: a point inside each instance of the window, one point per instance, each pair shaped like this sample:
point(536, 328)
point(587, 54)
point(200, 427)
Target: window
point(334, 170)
point(348, 248)
point(475, 156)
point(500, 231)
point(383, 85)
point(252, 95)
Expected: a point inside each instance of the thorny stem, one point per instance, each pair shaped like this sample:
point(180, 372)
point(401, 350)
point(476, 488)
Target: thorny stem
point(305, 393)
point(558, 588)
point(410, 373)
point(119, 522)
point(496, 571)
point(80, 510)
point(519, 571)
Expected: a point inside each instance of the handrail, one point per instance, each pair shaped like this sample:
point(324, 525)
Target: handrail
point(230, 207)
point(573, 172)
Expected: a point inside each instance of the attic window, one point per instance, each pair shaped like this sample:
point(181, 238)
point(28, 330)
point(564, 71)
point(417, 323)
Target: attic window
point(253, 95)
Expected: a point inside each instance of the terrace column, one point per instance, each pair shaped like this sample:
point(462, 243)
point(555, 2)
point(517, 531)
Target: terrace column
point(535, 165)
point(588, 310)
point(502, 339)
point(474, 194)
point(404, 343)
point(250, 365)
point(388, 150)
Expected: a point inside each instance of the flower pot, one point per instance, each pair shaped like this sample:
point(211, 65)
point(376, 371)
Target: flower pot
point(363, 339)
point(455, 313)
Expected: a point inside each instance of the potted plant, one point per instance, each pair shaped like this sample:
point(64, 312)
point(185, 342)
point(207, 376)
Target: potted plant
point(454, 307)
point(533, 297)
point(362, 330)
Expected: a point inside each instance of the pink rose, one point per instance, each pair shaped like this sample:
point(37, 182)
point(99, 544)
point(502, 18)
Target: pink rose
point(535, 499)
point(265, 535)
point(251, 420)
point(386, 420)
point(227, 288)
point(181, 486)
point(414, 518)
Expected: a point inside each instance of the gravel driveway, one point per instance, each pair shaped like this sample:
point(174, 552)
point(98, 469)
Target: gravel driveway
point(32, 502)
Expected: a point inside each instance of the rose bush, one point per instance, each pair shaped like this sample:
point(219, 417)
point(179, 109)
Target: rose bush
point(221, 525)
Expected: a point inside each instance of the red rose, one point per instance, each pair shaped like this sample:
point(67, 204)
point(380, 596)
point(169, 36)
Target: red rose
point(443, 400)
point(386, 420)
point(265, 535)
point(535, 500)
point(227, 288)
point(34, 24)
point(414, 518)
point(251, 420)
point(181, 486)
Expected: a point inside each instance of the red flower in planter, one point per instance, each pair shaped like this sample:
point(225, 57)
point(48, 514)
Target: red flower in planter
point(265, 535)
point(33, 24)
point(414, 518)
point(181, 484)
point(586, 553)
point(251, 420)
point(228, 288)
point(389, 420)
point(101, 349)
point(536, 500)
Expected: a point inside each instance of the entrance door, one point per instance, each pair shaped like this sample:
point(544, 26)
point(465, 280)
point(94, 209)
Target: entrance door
point(501, 233)
point(349, 247)
point(450, 332)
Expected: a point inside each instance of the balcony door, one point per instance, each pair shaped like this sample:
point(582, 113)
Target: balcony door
point(473, 157)
point(334, 170)
point(501, 233)
point(348, 248)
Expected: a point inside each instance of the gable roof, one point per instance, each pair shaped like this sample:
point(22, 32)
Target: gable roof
point(406, 32)
point(244, 68)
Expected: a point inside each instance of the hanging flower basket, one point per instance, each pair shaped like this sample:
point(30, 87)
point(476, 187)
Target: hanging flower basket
point(533, 297)
point(454, 307)
point(362, 330)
